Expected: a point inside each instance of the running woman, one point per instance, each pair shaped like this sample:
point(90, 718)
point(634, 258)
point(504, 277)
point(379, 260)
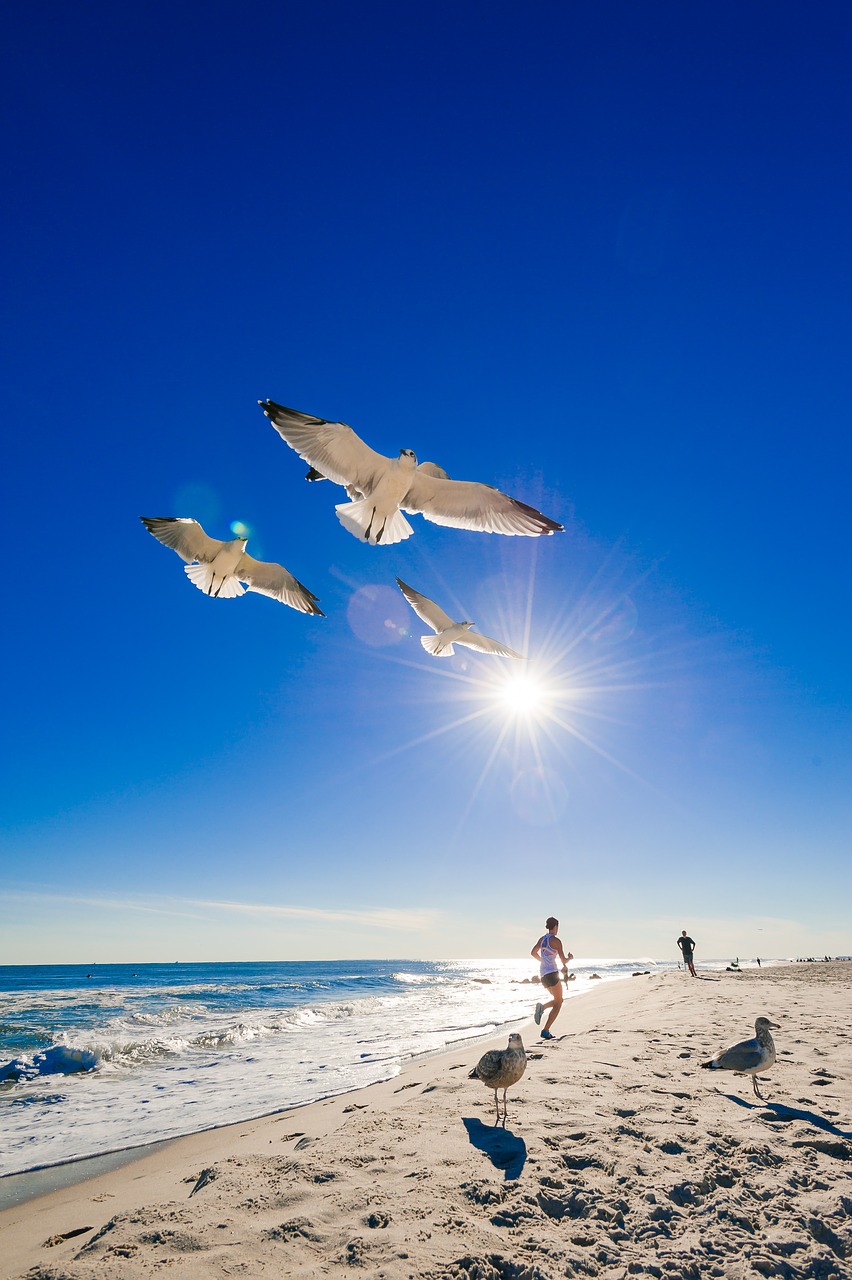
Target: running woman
point(548, 951)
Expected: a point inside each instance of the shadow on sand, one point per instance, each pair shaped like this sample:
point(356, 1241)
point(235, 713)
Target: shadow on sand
point(781, 1113)
point(503, 1149)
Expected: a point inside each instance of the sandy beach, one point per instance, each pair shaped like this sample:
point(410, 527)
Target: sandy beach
point(620, 1156)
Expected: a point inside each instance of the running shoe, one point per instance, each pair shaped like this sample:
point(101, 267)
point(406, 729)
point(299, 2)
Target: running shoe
point(539, 1010)
point(547, 1035)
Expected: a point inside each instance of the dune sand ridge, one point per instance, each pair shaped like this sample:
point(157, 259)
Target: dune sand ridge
point(620, 1157)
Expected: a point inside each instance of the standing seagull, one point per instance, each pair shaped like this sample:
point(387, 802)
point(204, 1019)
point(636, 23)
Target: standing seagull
point(749, 1056)
point(500, 1068)
point(378, 486)
point(447, 632)
point(220, 567)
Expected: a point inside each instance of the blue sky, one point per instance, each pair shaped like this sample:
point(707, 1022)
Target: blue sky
point(596, 255)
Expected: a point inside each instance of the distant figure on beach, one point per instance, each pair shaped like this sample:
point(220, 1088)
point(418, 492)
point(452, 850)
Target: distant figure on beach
point(548, 951)
point(758, 962)
point(687, 946)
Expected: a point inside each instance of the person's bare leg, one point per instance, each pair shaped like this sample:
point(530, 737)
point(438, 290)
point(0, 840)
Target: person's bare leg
point(555, 1006)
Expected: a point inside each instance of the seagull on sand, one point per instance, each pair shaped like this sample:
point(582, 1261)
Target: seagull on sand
point(749, 1056)
point(219, 568)
point(501, 1068)
point(381, 488)
point(447, 632)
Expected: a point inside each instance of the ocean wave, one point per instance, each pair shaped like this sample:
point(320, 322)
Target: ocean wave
point(117, 1048)
point(421, 979)
point(161, 1018)
point(58, 1060)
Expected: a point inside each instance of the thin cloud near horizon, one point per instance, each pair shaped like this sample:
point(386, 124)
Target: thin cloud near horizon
point(380, 918)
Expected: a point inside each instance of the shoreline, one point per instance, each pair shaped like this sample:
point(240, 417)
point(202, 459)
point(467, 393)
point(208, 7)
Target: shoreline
point(618, 1150)
point(56, 1120)
point(44, 1167)
point(124, 1153)
point(64, 1170)
point(27, 1184)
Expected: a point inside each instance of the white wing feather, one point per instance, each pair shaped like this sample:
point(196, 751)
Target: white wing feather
point(332, 448)
point(425, 608)
point(184, 536)
point(472, 640)
point(270, 579)
point(467, 504)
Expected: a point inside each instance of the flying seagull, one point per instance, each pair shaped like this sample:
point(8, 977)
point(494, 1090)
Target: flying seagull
point(500, 1068)
point(447, 632)
point(218, 568)
point(378, 486)
point(749, 1056)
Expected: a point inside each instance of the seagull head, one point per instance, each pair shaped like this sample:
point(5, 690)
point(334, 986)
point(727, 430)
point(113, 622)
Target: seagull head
point(467, 625)
point(515, 1041)
point(763, 1024)
point(408, 458)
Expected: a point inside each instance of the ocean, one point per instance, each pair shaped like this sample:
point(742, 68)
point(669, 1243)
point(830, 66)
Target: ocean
point(170, 1049)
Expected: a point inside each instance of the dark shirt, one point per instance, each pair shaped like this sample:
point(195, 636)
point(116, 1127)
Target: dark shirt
point(687, 946)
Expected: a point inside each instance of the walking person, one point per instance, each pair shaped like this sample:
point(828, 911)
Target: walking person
point(548, 951)
point(687, 946)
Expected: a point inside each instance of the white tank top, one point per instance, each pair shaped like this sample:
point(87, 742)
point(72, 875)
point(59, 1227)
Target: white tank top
point(549, 957)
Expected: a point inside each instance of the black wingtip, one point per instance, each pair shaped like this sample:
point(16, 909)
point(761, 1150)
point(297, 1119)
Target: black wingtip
point(545, 525)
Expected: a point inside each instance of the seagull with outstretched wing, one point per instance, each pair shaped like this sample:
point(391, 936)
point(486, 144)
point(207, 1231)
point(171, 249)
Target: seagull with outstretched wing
point(220, 568)
point(381, 488)
point(448, 632)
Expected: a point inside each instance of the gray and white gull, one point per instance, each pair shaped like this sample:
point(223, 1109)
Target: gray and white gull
point(219, 568)
point(448, 632)
point(749, 1056)
point(501, 1068)
point(381, 488)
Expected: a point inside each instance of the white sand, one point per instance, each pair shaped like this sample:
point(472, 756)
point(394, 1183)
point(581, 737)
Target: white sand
point(620, 1157)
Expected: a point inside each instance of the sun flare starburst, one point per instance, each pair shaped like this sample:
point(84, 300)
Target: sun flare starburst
point(522, 693)
point(529, 728)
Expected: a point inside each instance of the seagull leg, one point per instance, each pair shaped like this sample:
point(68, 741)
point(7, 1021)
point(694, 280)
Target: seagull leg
point(497, 1104)
point(757, 1091)
point(504, 1107)
point(370, 525)
point(381, 531)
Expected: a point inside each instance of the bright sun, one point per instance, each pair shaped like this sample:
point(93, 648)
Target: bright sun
point(522, 693)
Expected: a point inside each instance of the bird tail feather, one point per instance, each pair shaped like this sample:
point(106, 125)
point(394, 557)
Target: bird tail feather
point(432, 644)
point(204, 577)
point(709, 1066)
point(358, 517)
